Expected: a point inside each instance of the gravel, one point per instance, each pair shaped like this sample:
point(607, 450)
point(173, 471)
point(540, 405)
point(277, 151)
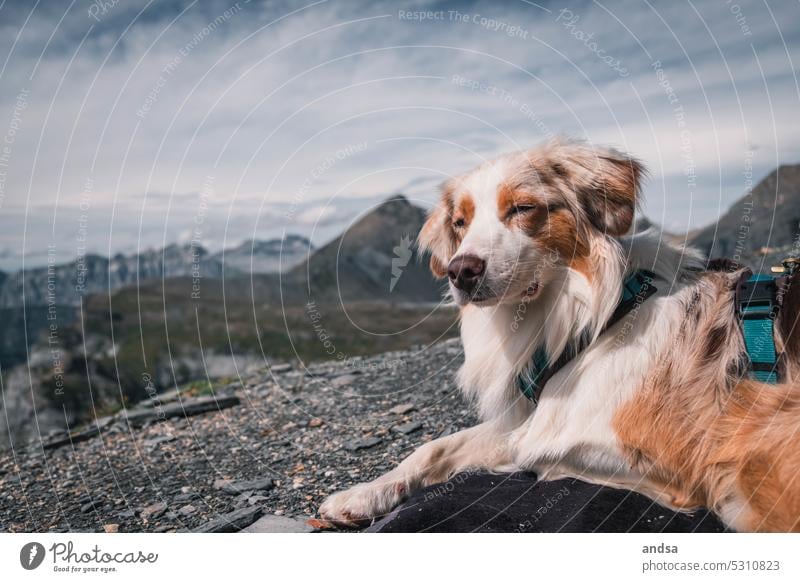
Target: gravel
point(284, 441)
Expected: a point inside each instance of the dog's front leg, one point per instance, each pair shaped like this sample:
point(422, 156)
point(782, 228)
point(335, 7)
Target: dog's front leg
point(481, 446)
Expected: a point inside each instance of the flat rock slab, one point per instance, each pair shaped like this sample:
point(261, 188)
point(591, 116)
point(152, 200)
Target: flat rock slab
point(189, 407)
point(402, 408)
point(366, 443)
point(79, 435)
point(231, 522)
point(408, 428)
point(278, 524)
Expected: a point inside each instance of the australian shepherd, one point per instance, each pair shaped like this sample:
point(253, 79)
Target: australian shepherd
point(536, 247)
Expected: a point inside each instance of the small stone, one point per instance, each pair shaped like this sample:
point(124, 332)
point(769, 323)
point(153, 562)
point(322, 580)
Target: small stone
point(154, 511)
point(345, 380)
point(87, 507)
point(408, 428)
point(111, 528)
point(365, 443)
point(186, 497)
point(320, 523)
point(233, 521)
point(187, 510)
point(280, 368)
point(402, 408)
point(315, 422)
point(155, 441)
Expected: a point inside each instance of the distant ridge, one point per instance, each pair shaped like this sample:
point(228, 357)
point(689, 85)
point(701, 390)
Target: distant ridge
point(761, 226)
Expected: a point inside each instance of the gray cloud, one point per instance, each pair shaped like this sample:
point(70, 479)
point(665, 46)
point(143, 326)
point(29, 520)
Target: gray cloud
point(282, 106)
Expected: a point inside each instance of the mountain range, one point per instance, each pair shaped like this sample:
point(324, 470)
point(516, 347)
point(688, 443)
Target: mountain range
point(66, 284)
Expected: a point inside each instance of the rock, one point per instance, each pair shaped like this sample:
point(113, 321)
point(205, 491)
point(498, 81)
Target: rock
point(111, 528)
point(87, 507)
point(154, 511)
point(162, 398)
point(237, 487)
point(185, 497)
point(278, 524)
point(66, 438)
point(315, 422)
point(360, 444)
point(320, 523)
point(345, 380)
point(402, 408)
point(187, 510)
point(231, 522)
point(408, 428)
point(280, 368)
point(188, 407)
point(155, 441)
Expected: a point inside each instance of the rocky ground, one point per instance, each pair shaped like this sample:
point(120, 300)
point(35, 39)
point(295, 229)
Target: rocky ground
point(259, 455)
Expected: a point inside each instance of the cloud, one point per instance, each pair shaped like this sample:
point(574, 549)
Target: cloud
point(288, 106)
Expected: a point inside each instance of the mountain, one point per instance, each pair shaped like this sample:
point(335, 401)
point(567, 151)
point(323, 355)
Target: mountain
point(373, 260)
point(270, 256)
point(762, 226)
point(65, 284)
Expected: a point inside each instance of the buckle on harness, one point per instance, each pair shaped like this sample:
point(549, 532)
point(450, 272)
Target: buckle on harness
point(756, 297)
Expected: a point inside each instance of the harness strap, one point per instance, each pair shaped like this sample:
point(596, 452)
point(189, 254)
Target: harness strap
point(757, 308)
point(636, 288)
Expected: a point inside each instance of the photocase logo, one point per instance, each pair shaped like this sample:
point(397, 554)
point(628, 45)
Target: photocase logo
point(402, 254)
point(31, 555)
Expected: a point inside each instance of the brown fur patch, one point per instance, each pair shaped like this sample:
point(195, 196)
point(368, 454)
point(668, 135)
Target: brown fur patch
point(606, 182)
point(551, 225)
point(709, 439)
point(437, 236)
point(464, 213)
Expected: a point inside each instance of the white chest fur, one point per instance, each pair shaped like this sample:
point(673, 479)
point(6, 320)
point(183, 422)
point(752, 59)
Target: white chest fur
point(570, 429)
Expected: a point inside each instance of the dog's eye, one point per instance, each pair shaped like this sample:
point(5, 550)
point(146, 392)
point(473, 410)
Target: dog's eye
point(520, 209)
point(458, 222)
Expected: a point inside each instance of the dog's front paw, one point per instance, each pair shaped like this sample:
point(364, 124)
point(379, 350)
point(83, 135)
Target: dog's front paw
point(356, 506)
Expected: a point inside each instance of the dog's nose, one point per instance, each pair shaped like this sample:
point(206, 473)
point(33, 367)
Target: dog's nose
point(465, 271)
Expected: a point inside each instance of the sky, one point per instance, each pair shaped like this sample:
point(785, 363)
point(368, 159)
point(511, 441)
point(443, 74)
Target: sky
point(127, 126)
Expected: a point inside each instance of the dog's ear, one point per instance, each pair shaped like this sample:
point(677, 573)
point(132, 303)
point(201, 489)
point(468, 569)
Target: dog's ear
point(436, 235)
point(605, 181)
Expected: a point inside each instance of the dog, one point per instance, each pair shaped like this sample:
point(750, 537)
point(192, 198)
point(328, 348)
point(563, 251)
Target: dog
point(536, 246)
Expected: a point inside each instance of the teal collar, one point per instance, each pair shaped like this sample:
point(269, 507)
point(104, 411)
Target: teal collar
point(636, 288)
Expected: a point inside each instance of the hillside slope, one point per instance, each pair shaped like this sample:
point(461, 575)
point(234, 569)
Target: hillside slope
point(374, 259)
point(759, 227)
point(293, 435)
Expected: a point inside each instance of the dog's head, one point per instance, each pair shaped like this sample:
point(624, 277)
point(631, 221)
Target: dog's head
point(501, 231)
